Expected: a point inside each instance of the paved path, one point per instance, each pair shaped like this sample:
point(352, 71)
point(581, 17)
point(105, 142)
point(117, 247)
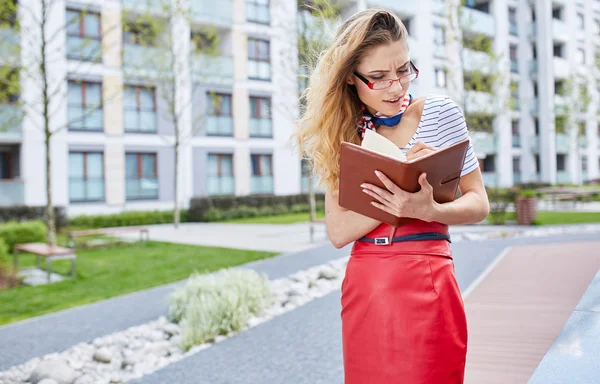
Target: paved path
point(61, 330)
point(303, 346)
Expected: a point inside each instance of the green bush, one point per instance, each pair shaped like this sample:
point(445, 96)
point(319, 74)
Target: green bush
point(32, 213)
point(217, 304)
point(123, 219)
point(500, 200)
point(22, 232)
point(4, 255)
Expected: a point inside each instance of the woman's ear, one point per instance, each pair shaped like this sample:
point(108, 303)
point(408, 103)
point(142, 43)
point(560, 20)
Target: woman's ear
point(350, 81)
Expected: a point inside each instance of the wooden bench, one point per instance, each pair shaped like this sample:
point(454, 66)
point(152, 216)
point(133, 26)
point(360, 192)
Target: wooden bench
point(50, 253)
point(107, 231)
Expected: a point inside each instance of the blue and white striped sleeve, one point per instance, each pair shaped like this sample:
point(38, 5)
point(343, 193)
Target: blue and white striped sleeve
point(452, 128)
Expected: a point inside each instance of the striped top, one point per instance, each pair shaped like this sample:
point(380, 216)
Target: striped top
point(443, 124)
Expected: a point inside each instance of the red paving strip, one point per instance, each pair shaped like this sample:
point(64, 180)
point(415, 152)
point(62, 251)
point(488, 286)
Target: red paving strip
point(516, 311)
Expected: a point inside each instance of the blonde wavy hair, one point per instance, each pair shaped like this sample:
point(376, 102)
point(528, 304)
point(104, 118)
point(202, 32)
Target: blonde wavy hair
point(331, 104)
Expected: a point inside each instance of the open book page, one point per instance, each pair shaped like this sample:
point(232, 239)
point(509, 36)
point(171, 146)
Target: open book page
point(377, 143)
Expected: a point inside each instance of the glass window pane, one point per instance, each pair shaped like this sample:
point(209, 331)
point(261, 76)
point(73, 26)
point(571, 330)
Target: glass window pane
point(148, 161)
point(94, 166)
point(93, 94)
point(148, 121)
point(265, 108)
point(255, 165)
point(132, 188)
point(74, 116)
point(131, 120)
point(266, 165)
point(94, 119)
point(76, 189)
point(95, 189)
point(130, 97)
point(226, 165)
point(72, 23)
point(92, 25)
point(251, 48)
point(146, 99)
point(131, 166)
point(226, 105)
point(211, 104)
point(213, 165)
point(253, 104)
point(263, 50)
point(74, 96)
point(76, 164)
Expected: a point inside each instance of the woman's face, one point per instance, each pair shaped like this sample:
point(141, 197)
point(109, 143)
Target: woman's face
point(385, 62)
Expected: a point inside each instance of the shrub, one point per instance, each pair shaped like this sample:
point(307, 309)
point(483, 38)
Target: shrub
point(26, 232)
point(26, 213)
point(128, 218)
point(217, 304)
point(4, 255)
point(500, 200)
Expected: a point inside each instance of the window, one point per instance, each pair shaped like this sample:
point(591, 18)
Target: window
point(141, 180)
point(262, 174)
point(516, 164)
point(580, 57)
point(558, 50)
point(512, 21)
point(220, 174)
point(536, 124)
point(557, 13)
point(514, 64)
point(515, 128)
point(561, 163)
point(439, 35)
point(86, 176)
point(537, 164)
point(408, 25)
point(259, 59)
point(489, 163)
point(257, 11)
point(440, 78)
point(559, 87)
point(584, 163)
point(260, 117)
point(85, 106)
point(140, 109)
point(220, 121)
point(580, 21)
point(6, 166)
point(84, 40)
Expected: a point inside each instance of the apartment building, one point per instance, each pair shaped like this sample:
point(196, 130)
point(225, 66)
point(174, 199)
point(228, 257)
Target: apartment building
point(240, 103)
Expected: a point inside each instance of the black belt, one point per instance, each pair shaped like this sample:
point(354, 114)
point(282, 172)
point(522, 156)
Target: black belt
point(412, 237)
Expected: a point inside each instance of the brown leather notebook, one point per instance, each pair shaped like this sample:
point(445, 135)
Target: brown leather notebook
point(358, 165)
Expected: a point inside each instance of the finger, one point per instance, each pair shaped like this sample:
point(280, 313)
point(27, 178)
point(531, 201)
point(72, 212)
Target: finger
point(418, 154)
point(389, 184)
point(374, 190)
point(415, 148)
point(385, 208)
point(424, 182)
point(384, 198)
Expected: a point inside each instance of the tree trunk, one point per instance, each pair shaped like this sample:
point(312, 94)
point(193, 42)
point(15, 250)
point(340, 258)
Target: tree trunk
point(176, 212)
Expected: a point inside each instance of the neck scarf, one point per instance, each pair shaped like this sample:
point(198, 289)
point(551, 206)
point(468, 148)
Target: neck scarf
point(368, 121)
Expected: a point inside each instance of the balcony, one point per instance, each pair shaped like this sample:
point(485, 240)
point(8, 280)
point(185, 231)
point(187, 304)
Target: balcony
point(535, 144)
point(534, 107)
point(10, 47)
point(490, 179)
point(11, 121)
point(516, 141)
point(481, 102)
point(563, 177)
point(258, 13)
point(259, 70)
point(439, 51)
point(582, 141)
point(560, 31)
point(476, 60)
point(209, 69)
point(220, 185)
point(533, 67)
point(516, 178)
point(219, 126)
point(12, 192)
point(560, 67)
point(512, 29)
point(261, 185)
point(562, 143)
point(514, 66)
point(560, 104)
point(84, 49)
point(484, 142)
point(217, 13)
point(532, 30)
point(261, 128)
point(478, 22)
point(153, 6)
point(141, 57)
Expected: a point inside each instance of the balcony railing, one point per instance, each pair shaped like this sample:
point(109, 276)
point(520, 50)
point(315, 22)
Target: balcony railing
point(512, 29)
point(477, 21)
point(219, 126)
point(563, 177)
point(514, 66)
point(490, 179)
point(516, 178)
point(516, 141)
point(259, 70)
point(142, 57)
point(258, 13)
point(261, 184)
point(12, 192)
point(212, 12)
point(560, 29)
point(141, 188)
point(562, 143)
point(11, 120)
point(84, 49)
point(476, 60)
point(10, 47)
point(85, 190)
point(212, 69)
point(261, 127)
point(484, 142)
point(220, 185)
point(561, 67)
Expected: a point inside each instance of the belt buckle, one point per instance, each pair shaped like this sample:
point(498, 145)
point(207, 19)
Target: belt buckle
point(382, 241)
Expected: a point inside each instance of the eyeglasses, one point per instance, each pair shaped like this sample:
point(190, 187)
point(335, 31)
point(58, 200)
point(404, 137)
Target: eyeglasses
point(384, 84)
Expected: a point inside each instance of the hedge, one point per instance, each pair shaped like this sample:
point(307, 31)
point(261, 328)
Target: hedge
point(127, 218)
point(25, 213)
point(23, 232)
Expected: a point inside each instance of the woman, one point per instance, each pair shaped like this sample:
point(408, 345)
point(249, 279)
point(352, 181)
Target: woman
point(403, 318)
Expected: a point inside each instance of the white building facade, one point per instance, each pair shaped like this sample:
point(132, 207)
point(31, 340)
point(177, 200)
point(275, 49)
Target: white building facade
point(238, 107)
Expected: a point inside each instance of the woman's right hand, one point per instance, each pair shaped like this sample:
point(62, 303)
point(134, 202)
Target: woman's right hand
point(418, 150)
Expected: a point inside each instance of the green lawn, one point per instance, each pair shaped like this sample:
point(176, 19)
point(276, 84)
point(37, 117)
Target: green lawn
point(114, 271)
point(289, 218)
point(549, 218)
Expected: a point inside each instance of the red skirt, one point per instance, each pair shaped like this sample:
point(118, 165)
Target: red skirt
point(403, 318)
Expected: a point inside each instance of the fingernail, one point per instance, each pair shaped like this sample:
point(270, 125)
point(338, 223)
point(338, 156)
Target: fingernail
point(377, 173)
point(365, 191)
point(363, 186)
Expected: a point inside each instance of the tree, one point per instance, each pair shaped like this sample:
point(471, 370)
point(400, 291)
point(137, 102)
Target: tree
point(163, 34)
point(42, 38)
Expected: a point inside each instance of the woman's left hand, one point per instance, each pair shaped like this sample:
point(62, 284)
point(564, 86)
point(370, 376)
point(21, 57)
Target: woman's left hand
point(396, 201)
